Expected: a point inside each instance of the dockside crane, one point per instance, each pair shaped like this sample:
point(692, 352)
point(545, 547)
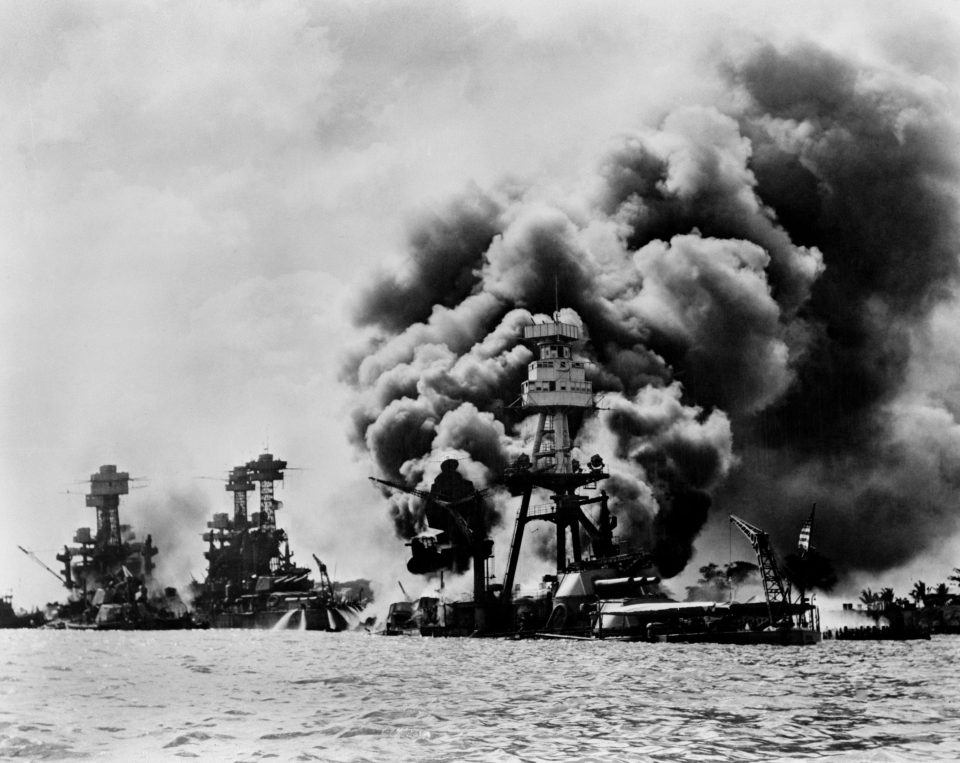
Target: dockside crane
point(325, 583)
point(776, 592)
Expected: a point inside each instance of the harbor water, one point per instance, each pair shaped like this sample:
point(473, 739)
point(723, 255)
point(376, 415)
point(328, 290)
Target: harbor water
point(304, 695)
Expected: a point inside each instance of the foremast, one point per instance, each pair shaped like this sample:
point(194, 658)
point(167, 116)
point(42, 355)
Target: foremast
point(113, 550)
point(557, 390)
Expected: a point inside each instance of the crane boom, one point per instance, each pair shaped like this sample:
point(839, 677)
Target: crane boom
point(443, 503)
point(37, 560)
point(433, 497)
point(324, 577)
point(774, 589)
point(404, 489)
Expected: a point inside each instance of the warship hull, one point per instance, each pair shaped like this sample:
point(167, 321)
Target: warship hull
point(788, 637)
point(319, 619)
point(179, 624)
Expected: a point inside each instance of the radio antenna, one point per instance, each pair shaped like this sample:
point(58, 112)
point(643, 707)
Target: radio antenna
point(556, 297)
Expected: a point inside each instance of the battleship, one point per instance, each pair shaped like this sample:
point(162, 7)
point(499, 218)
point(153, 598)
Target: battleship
point(600, 589)
point(252, 580)
point(109, 573)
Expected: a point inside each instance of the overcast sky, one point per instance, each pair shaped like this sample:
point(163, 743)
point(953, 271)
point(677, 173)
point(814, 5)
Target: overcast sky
point(192, 194)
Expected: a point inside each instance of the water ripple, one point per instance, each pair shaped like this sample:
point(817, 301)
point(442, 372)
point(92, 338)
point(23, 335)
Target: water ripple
point(352, 697)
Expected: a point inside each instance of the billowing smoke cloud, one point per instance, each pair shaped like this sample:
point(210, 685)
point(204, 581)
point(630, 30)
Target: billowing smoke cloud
point(751, 282)
point(862, 165)
point(175, 561)
point(667, 457)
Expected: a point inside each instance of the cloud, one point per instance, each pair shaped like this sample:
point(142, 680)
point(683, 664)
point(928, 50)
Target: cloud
point(192, 196)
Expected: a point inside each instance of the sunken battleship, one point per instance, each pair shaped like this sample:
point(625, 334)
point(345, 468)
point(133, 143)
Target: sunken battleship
point(252, 580)
point(600, 589)
point(109, 573)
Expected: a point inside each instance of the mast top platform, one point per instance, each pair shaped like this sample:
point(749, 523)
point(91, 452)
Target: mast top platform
point(239, 480)
point(106, 486)
point(266, 468)
point(552, 331)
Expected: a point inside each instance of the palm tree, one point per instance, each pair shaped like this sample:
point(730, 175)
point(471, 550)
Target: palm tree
point(709, 572)
point(955, 577)
point(919, 592)
point(886, 595)
point(867, 596)
point(939, 595)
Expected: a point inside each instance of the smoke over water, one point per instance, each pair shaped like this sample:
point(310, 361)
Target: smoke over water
point(754, 283)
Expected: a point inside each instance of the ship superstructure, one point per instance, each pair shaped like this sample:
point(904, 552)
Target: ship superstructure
point(600, 590)
point(252, 580)
point(558, 392)
point(113, 549)
point(110, 573)
point(456, 537)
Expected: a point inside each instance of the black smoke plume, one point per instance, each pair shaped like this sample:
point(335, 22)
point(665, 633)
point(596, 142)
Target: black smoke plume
point(862, 165)
point(752, 283)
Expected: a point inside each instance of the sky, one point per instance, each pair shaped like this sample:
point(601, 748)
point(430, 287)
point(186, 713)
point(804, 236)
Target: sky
point(208, 211)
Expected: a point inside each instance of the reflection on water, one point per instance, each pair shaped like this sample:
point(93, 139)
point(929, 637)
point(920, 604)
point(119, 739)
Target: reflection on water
point(307, 695)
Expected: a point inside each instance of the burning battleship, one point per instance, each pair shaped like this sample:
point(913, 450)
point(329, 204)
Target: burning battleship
point(252, 580)
point(110, 573)
point(600, 590)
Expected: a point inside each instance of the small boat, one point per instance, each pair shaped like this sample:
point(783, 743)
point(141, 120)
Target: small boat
point(10, 618)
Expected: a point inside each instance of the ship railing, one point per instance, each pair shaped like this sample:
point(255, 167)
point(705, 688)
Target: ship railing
point(541, 510)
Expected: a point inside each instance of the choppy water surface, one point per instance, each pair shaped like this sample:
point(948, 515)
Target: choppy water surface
point(246, 696)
